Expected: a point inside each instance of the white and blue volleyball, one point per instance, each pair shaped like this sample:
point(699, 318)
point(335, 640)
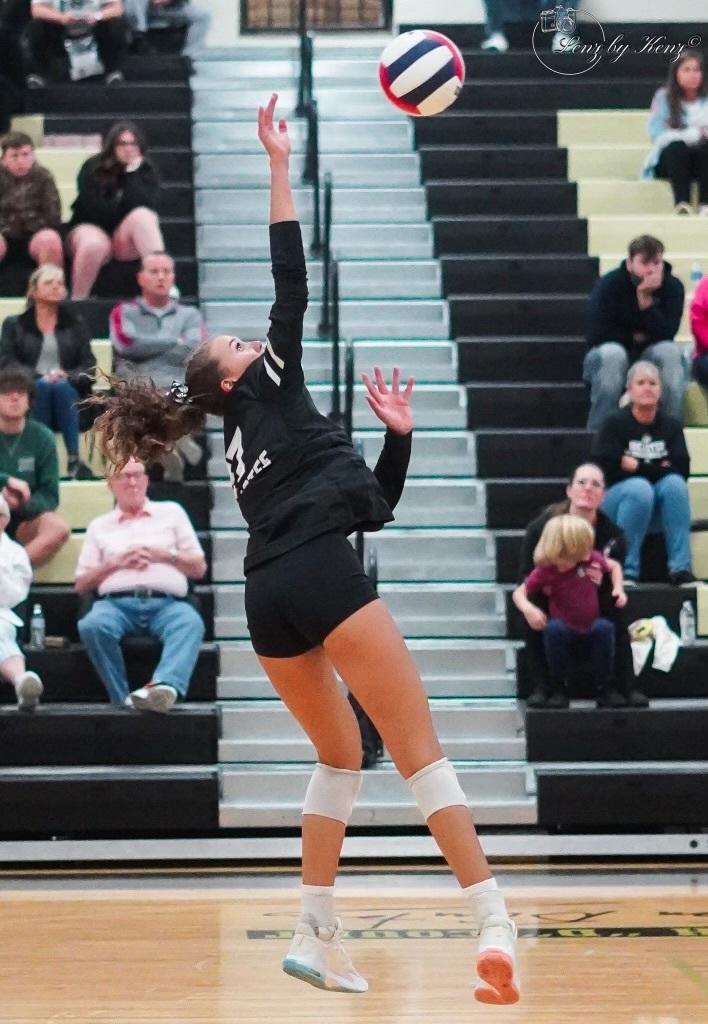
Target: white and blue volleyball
point(421, 72)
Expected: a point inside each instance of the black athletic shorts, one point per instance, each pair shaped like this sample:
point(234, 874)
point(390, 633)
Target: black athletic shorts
point(294, 601)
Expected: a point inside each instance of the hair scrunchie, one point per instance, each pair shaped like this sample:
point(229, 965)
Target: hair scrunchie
point(179, 393)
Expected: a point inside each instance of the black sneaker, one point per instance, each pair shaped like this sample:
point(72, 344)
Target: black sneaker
point(558, 699)
point(114, 78)
point(35, 82)
point(537, 698)
point(682, 578)
point(630, 583)
point(637, 699)
point(609, 697)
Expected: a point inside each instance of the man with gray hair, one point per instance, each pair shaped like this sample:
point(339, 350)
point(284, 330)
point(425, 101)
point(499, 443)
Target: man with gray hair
point(15, 580)
point(634, 313)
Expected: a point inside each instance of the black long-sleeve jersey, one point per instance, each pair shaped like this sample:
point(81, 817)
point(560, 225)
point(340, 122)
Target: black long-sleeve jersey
point(296, 474)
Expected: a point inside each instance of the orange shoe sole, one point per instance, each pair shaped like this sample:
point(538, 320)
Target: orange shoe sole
point(496, 971)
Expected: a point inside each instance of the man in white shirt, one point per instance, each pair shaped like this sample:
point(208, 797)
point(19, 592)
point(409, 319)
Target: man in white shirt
point(139, 558)
point(77, 23)
point(15, 580)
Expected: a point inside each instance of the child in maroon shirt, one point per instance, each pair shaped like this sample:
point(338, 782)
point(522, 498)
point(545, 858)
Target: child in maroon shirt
point(569, 571)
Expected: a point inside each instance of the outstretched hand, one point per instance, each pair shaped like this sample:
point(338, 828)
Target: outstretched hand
point(392, 407)
point(275, 140)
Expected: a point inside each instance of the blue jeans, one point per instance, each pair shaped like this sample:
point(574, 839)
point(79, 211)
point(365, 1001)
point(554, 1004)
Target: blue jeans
point(605, 372)
point(175, 623)
point(55, 406)
point(640, 508)
point(563, 645)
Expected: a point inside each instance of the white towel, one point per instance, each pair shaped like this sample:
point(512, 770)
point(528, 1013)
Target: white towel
point(666, 644)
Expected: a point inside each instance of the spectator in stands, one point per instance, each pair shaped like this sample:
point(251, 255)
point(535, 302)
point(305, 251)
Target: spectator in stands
point(678, 127)
point(114, 212)
point(699, 326)
point(15, 580)
point(140, 558)
point(634, 313)
point(30, 208)
point(154, 336)
point(51, 342)
point(646, 463)
point(567, 564)
point(29, 472)
point(585, 492)
point(150, 14)
point(55, 32)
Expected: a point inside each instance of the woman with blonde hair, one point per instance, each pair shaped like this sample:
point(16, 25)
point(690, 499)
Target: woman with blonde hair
point(52, 343)
point(567, 567)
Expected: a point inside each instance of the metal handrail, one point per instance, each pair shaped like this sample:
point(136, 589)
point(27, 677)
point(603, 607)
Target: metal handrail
point(304, 91)
point(311, 172)
point(349, 387)
point(336, 406)
point(324, 324)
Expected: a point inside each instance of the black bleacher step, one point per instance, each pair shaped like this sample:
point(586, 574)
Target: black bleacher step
point(688, 677)
point(117, 801)
point(643, 602)
point(500, 197)
point(173, 163)
point(118, 280)
point(484, 126)
point(468, 36)
point(524, 359)
point(69, 677)
point(531, 273)
point(556, 93)
point(176, 199)
point(511, 504)
point(620, 799)
point(156, 67)
point(93, 97)
point(63, 607)
point(458, 235)
point(159, 129)
point(669, 730)
point(524, 406)
point(514, 313)
point(515, 64)
point(194, 496)
point(533, 453)
point(493, 162)
point(77, 734)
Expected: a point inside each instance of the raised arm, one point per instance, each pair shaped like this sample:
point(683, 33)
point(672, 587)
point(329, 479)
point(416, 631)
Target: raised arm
point(393, 409)
point(283, 356)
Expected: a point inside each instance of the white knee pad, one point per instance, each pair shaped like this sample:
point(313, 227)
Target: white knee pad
point(331, 792)
point(437, 786)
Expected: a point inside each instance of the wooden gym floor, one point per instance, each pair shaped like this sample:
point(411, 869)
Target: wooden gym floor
point(606, 947)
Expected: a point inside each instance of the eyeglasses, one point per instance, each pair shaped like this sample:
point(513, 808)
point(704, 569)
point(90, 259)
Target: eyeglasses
point(126, 142)
point(597, 484)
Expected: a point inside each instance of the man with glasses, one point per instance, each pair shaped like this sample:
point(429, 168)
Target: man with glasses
point(139, 558)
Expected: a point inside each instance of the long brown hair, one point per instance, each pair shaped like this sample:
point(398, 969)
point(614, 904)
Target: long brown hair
point(674, 95)
point(109, 168)
point(144, 422)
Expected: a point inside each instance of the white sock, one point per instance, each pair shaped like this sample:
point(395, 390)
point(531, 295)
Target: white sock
point(486, 900)
point(318, 902)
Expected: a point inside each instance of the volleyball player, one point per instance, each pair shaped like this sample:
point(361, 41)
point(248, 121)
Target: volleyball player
point(311, 609)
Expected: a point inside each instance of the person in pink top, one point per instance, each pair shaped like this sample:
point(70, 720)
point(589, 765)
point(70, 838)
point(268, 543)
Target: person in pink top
point(699, 326)
point(566, 571)
point(139, 558)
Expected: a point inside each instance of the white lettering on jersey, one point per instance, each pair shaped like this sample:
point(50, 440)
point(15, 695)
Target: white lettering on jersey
point(234, 455)
point(258, 466)
point(647, 450)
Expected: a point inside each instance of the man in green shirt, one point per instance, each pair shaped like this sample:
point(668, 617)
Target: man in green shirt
point(29, 471)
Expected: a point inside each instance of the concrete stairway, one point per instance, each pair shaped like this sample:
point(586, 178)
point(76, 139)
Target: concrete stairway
point(436, 563)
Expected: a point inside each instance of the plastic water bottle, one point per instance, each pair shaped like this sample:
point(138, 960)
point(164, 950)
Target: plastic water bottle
point(696, 273)
point(38, 627)
point(687, 624)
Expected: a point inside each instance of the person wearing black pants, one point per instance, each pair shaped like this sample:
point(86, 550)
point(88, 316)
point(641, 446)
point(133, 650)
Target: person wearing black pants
point(49, 28)
point(585, 492)
point(681, 164)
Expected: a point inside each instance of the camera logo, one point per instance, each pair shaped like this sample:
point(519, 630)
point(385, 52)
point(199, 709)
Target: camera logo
point(560, 19)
